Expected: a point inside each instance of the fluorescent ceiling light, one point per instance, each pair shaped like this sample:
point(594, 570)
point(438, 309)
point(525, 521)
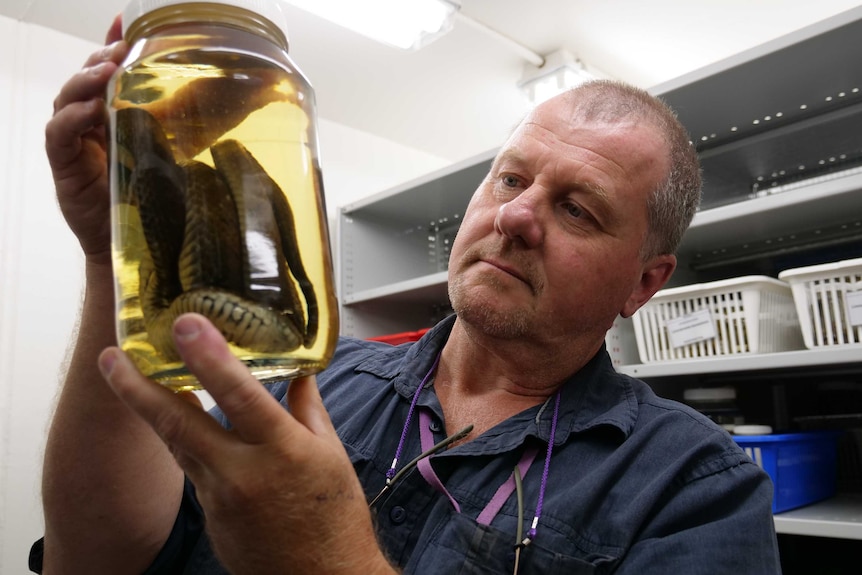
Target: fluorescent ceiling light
point(406, 24)
point(560, 72)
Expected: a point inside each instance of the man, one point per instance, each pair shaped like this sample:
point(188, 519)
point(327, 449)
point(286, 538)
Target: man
point(568, 467)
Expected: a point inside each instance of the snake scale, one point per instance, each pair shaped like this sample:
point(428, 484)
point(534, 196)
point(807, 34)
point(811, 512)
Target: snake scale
point(221, 241)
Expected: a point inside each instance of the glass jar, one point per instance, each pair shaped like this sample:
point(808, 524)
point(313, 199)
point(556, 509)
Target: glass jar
point(216, 190)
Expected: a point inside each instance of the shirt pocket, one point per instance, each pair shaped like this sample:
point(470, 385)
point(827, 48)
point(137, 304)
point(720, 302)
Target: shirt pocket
point(463, 546)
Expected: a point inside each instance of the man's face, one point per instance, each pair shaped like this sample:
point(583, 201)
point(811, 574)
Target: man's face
point(549, 247)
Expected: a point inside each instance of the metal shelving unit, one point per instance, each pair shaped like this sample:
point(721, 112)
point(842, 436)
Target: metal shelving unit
point(779, 133)
point(781, 160)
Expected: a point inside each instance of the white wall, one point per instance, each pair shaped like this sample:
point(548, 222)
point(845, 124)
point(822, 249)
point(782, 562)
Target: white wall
point(41, 269)
point(40, 275)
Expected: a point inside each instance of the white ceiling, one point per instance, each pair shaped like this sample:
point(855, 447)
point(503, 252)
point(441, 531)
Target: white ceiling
point(457, 97)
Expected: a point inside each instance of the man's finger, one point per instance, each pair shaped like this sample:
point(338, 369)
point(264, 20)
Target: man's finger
point(115, 32)
point(64, 131)
point(89, 82)
point(189, 432)
point(254, 414)
point(306, 405)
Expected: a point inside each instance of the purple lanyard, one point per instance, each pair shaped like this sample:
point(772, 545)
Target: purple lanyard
point(504, 491)
point(390, 473)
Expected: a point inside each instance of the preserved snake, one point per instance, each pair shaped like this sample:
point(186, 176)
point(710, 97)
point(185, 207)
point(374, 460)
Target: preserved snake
point(220, 241)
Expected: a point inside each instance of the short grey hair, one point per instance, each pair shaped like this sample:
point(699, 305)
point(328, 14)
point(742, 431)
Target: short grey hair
point(675, 200)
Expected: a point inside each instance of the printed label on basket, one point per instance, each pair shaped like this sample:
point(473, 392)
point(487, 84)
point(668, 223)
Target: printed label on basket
point(691, 328)
point(854, 307)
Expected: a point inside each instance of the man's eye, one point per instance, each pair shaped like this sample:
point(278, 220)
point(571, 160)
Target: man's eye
point(575, 210)
point(510, 181)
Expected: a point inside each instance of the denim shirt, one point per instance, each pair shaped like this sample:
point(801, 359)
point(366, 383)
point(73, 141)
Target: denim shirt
point(636, 484)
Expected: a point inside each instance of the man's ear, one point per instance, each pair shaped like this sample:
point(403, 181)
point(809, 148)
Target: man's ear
point(655, 273)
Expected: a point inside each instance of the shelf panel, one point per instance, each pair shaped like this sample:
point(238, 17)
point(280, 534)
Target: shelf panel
point(774, 217)
point(839, 517)
point(422, 289)
point(442, 192)
point(754, 362)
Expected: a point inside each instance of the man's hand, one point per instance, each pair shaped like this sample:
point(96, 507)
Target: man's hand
point(278, 489)
point(76, 148)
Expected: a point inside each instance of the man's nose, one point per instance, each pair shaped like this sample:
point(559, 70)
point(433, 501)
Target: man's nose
point(520, 219)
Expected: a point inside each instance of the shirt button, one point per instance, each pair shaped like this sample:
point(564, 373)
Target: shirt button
point(434, 426)
point(397, 515)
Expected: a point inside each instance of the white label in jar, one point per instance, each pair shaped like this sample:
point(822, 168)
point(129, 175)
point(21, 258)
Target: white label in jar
point(854, 306)
point(691, 328)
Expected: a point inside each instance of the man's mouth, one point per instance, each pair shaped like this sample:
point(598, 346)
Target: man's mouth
point(508, 269)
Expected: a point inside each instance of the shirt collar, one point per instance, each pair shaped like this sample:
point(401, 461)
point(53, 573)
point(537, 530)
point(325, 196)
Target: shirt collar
point(406, 370)
point(593, 397)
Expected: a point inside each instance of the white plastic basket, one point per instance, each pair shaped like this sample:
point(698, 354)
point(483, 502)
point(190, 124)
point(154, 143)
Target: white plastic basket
point(746, 315)
point(829, 302)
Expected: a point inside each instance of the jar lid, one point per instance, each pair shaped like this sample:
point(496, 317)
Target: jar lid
point(268, 9)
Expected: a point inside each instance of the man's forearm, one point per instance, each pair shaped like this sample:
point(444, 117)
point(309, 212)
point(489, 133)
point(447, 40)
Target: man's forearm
point(111, 490)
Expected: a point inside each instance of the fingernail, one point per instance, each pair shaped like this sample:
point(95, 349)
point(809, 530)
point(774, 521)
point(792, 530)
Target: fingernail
point(106, 363)
point(187, 328)
point(106, 52)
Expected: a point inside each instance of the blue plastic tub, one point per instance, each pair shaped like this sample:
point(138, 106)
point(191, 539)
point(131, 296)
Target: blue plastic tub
point(802, 466)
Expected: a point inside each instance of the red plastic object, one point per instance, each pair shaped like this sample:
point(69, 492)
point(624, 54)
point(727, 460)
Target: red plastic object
point(403, 337)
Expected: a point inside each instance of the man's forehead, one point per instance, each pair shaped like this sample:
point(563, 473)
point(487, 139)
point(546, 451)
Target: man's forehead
point(573, 129)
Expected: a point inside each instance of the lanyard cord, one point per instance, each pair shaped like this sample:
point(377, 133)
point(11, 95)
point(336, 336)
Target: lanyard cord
point(539, 504)
point(391, 474)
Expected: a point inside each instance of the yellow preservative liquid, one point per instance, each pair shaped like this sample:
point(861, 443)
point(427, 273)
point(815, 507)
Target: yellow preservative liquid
point(217, 200)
